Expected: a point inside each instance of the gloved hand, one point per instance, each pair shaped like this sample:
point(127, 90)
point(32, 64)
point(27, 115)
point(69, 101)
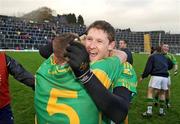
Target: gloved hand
point(78, 59)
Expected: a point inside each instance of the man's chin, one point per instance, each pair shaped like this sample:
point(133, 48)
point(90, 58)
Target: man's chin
point(92, 59)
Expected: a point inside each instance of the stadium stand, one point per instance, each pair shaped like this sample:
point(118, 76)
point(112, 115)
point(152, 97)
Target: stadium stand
point(17, 33)
point(136, 39)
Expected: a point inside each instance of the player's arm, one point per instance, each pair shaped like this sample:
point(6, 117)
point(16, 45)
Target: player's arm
point(173, 59)
point(129, 55)
point(170, 64)
point(46, 50)
point(120, 54)
point(148, 67)
point(175, 66)
point(113, 105)
point(19, 73)
point(175, 69)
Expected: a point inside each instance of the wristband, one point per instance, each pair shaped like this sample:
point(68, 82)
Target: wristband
point(86, 76)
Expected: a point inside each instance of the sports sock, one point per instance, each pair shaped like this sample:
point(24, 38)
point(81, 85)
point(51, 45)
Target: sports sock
point(167, 101)
point(149, 109)
point(162, 105)
point(161, 110)
point(149, 105)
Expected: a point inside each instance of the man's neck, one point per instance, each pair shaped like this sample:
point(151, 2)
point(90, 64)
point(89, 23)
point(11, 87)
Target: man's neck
point(59, 62)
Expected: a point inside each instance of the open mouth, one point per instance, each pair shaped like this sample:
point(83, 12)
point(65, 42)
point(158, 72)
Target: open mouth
point(92, 54)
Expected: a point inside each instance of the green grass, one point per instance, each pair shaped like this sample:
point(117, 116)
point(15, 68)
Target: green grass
point(23, 106)
point(139, 104)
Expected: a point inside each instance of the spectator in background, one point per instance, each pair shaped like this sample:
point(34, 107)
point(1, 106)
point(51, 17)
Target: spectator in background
point(123, 46)
point(10, 66)
point(165, 51)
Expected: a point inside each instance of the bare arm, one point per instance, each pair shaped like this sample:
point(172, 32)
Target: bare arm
point(121, 54)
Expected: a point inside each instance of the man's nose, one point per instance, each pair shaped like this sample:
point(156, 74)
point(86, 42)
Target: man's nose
point(92, 44)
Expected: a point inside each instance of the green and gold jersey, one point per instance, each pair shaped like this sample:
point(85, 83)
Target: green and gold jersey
point(127, 78)
point(61, 99)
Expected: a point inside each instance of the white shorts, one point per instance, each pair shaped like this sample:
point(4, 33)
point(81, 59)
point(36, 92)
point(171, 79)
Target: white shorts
point(159, 82)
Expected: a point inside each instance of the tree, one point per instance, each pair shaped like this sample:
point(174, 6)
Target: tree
point(40, 15)
point(80, 20)
point(71, 18)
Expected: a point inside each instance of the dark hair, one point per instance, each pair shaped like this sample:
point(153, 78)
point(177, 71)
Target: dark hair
point(162, 43)
point(105, 26)
point(152, 50)
point(158, 49)
point(125, 41)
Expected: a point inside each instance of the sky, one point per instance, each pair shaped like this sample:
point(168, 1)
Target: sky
point(138, 15)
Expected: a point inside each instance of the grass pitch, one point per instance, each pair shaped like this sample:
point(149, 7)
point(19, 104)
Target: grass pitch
point(23, 105)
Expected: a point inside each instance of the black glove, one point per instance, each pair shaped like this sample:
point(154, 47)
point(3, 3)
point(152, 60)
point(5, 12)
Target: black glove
point(46, 50)
point(78, 59)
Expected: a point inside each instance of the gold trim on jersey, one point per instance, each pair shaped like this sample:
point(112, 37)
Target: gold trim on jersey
point(53, 62)
point(58, 67)
point(100, 117)
point(103, 77)
point(127, 84)
point(127, 65)
point(35, 119)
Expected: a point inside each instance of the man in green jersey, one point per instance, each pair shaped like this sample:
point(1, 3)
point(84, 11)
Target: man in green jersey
point(61, 98)
point(99, 44)
point(165, 50)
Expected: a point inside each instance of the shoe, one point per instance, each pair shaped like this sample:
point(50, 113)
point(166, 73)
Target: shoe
point(168, 105)
point(145, 114)
point(162, 114)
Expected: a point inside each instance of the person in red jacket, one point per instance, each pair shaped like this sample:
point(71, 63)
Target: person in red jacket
point(10, 66)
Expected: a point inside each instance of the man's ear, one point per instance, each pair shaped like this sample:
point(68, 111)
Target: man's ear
point(111, 45)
